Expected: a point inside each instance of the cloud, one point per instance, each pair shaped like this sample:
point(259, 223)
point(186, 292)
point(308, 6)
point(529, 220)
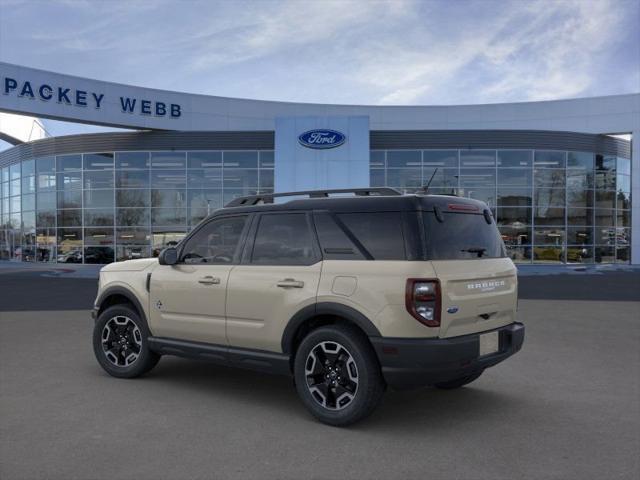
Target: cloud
point(374, 52)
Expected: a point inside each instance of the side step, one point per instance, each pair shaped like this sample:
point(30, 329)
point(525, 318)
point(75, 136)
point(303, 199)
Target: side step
point(259, 360)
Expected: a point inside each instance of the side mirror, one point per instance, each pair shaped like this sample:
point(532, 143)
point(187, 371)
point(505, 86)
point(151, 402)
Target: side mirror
point(168, 256)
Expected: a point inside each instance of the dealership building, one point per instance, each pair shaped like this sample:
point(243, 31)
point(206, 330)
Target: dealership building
point(561, 177)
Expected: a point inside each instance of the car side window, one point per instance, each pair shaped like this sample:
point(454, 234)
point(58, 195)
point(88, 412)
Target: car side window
point(283, 239)
point(215, 243)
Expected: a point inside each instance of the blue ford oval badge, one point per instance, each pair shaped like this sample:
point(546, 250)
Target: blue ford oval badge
point(322, 138)
point(452, 309)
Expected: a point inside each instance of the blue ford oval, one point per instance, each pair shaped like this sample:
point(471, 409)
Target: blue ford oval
point(322, 138)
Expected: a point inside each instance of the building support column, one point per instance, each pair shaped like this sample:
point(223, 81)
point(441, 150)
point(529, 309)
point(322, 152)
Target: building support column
point(635, 197)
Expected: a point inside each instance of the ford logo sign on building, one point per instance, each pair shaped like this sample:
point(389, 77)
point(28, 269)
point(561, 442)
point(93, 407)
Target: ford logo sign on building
point(322, 138)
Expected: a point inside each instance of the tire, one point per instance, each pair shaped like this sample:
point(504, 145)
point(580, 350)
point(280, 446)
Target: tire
point(458, 382)
point(337, 375)
point(121, 328)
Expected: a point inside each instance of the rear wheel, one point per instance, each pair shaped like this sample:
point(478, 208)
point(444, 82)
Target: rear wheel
point(458, 382)
point(337, 375)
point(120, 343)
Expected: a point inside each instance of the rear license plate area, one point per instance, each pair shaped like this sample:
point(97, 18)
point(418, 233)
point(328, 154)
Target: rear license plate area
point(489, 343)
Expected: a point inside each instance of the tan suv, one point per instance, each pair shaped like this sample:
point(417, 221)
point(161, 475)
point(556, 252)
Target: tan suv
point(348, 294)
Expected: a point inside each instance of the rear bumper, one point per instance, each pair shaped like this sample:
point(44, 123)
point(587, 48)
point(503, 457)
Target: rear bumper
point(416, 362)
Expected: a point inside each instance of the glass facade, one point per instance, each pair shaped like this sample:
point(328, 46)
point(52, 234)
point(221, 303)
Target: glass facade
point(550, 206)
point(106, 206)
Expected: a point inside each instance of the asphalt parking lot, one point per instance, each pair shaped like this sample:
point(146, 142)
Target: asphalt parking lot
point(567, 406)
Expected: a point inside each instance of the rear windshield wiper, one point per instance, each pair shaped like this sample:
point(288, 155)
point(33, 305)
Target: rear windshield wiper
point(478, 250)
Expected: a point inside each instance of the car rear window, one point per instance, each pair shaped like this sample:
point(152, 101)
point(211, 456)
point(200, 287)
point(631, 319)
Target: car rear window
point(461, 236)
point(380, 233)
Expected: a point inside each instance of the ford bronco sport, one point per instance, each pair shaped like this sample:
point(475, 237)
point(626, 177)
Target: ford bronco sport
point(347, 294)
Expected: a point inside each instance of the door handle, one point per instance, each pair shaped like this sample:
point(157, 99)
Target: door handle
point(290, 283)
point(209, 280)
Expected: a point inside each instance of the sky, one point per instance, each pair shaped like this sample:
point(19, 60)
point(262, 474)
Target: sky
point(395, 52)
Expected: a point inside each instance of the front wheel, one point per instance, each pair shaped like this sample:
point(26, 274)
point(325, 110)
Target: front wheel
point(120, 343)
point(337, 375)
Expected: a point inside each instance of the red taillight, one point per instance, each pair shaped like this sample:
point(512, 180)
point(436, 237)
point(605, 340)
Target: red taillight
point(463, 207)
point(422, 298)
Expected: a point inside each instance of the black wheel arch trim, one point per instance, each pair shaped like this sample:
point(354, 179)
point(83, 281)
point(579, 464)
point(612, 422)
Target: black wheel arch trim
point(119, 290)
point(325, 308)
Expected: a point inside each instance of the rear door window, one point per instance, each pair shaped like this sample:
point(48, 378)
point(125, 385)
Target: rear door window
point(461, 236)
point(284, 239)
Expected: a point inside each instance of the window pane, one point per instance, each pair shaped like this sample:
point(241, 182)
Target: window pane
point(377, 178)
point(623, 254)
point(215, 243)
point(70, 218)
point(578, 197)
point(132, 160)
point(404, 158)
point(168, 160)
point(98, 254)
point(580, 235)
point(549, 216)
point(518, 235)
point(548, 254)
point(440, 158)
point(204, 159)
point(132, 178)
point(133, 236)
point(240, 178)
point(604, 217)
point(515, 158)
point(205, 178)
point(623, 166)
point(168, 198)
point(168, 216)
point(623, 183)
point(379, 233)
point(624, 218)
point(132, 198)
point(514, 176)
point(70, 180)
point(549, 178)
point(168, 179)
point(46, 200)
point(376, 158)
point(579, 178)
point(579, 254)
point(546, 197)
point(46, 218)
point(444, 178)
point(477, 177)
point(605, 199)
point(267, 159)
point(28, 184)
point(605, 163)
point(98, 236)
point(132, 216)
point(519, 254)
point(514, 197)
point(514, 216)
point(240, 159)
point(549, 159)
point(605, 254)
point(132, 252)
point(98, 217)
point(461, 236)
point(98, 199)
point(98, 161)
point(549, 236)
point(266, 179)
point(605, 235)
point(43, 165)
point(283, 240)
point(28, 168)
point(46, 181)
point(69, 162)
point(404, 177)
point(583, 160)
point(486, 195)
point(29, 202)
point(14, 187)
point(98, 179)
point(579, 216)
point(479, 158)
point(70, 199)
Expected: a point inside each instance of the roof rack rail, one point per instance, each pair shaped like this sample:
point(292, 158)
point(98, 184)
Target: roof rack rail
point(268, 197)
